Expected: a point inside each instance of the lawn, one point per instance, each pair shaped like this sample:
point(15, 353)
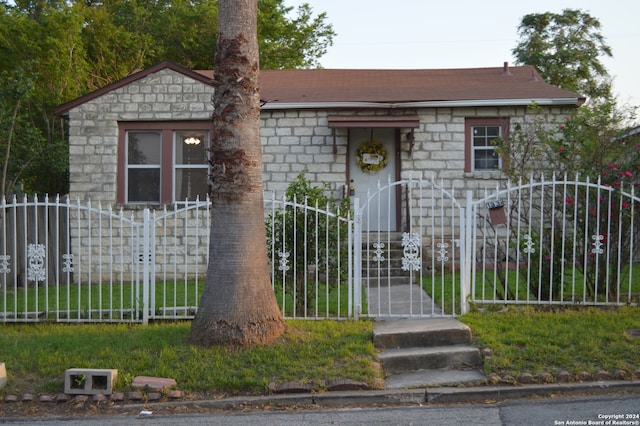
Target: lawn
point(37, 355)
point(119, 302)
point(537, 340)
point(520, 339)
point(443, 287)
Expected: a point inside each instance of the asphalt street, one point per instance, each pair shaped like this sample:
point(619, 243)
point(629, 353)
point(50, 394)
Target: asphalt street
point(602, 410)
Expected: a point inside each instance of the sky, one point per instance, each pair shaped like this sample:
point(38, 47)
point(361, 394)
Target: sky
point(413, 34)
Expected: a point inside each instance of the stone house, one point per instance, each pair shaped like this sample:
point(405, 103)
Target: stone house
point(141, 141)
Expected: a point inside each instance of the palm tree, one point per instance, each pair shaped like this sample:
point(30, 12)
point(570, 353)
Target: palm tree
point(238, 306)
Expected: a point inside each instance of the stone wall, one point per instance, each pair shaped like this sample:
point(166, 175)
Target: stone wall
point(93, 126)
point(292, 141)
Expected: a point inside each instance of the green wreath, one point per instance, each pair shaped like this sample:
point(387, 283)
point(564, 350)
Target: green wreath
point(372, 157)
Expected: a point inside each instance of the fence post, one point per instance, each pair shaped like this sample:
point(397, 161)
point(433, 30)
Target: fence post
point(467, 261)
point(357, 258)
point(146, 219)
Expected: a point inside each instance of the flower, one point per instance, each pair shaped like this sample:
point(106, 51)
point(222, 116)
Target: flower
point(561, 149)
point(625, 205)
point(626, 174)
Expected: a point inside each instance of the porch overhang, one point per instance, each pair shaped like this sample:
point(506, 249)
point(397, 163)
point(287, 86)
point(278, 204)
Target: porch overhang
point(377, 121)
point(372, 121)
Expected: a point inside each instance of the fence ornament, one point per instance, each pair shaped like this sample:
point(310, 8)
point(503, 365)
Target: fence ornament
point(284, 260)
point(597, 244)
point(36, 270)
point(4, 263)
point(411, 259)
point(442, 252)
point(528, 245)
point(378, 252)
point(67, 265)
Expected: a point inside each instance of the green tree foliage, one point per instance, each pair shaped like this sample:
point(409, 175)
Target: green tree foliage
point(19, 142)
point(70, 48)
point(566, 49)
point(287, 43)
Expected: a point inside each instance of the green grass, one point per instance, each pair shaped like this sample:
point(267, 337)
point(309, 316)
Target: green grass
point(443, 287)
point(549, 340)
point(81, 301)
point(37, 355)
point(520, 339)
point(322, 302)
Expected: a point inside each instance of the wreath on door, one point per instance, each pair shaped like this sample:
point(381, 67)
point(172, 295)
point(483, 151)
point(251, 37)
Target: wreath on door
point(372, 156)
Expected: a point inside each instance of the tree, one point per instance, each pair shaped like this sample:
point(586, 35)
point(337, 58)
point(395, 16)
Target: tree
point(565, 48)
point(238, 306)
point(69, 48)
point(15, 126)
point(291, 43)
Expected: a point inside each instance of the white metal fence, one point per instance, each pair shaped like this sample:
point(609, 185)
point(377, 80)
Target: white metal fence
point(556, 242)
point(540, 242)
point(79, 262)
point(310, 250)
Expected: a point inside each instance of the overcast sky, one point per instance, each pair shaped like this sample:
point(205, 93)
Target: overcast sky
point(467, 34)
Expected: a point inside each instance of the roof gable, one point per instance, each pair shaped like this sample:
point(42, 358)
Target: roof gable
point(131, 78)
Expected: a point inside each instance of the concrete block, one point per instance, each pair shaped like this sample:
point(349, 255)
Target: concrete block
point(89, 381)
point(3, 375)
point(156, 384)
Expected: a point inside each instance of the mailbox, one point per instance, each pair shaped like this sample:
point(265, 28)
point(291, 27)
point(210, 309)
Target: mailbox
point(496, 212)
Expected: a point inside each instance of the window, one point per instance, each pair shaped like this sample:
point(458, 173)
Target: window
point(481, 135)
point(162, 163)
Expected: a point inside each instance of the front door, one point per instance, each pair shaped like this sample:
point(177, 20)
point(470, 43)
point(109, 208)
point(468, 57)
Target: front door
point(372, 160)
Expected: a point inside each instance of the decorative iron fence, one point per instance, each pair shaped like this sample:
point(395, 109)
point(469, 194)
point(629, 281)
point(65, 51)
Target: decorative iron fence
point(556, 242)
point(569, 242)
point(79, 262)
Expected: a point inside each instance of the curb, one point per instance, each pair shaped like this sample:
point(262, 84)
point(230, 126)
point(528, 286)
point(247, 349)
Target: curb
point(443, 395)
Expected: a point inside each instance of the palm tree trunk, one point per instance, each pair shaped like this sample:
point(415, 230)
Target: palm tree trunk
point(238, 306)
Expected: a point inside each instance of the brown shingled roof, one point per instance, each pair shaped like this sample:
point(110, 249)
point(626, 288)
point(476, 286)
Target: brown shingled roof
point(393, 86)
point(298, 87)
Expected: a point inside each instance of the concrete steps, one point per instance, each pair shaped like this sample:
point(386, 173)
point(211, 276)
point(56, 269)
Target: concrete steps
point(426, 352)
point(388, 271)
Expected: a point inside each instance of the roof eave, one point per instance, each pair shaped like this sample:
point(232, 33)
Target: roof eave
point(424, 104)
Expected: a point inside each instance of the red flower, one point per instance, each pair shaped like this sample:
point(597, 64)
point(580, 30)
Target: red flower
point(625, 205)
point(561, 149)
point(569, 200)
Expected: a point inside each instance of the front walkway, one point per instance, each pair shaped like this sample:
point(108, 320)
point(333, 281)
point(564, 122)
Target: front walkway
point(400, 301)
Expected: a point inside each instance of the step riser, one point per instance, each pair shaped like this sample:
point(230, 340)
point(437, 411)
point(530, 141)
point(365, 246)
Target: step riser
point(465, 358)
point(424, 339)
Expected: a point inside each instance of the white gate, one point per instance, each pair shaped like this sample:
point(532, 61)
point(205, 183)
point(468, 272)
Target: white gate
point(417, 272)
